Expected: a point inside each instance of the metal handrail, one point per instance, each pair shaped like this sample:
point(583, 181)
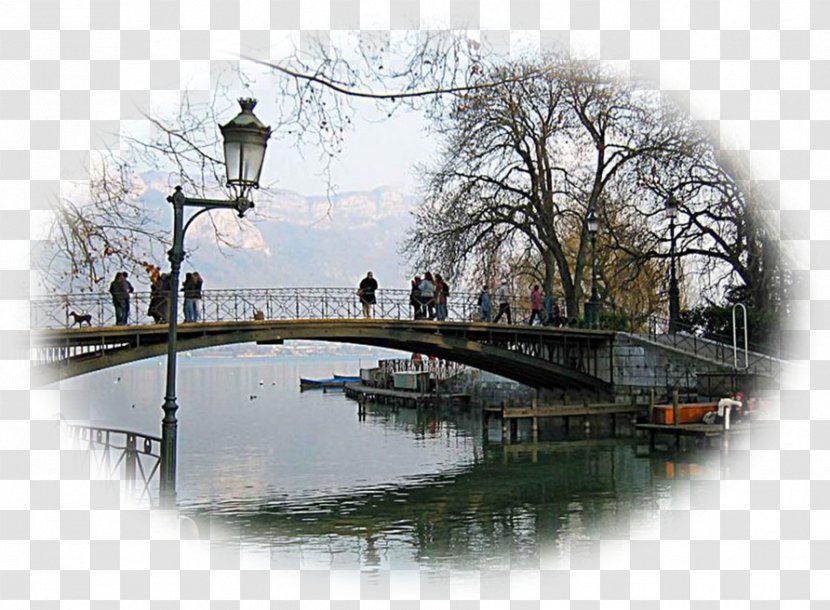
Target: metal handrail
point(716, 347)
point(225, 305)
point(131, 457)
point(735, 336)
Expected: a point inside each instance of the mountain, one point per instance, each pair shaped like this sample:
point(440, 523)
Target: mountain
point(292, 240)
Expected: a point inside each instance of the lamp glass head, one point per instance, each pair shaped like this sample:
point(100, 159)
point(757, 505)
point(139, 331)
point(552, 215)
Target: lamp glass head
point(246, 138)
point(593, 222)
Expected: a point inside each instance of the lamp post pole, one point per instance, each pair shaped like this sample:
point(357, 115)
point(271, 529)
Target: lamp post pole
point(245, 141)
point(593, 305)
point(674, 290)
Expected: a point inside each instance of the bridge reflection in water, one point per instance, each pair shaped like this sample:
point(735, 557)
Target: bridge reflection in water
point(303, 478)
point(507, 509)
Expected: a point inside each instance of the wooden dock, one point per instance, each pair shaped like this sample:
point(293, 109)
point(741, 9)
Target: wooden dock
point(401, 398)
point(510, 414)
point(698, 430)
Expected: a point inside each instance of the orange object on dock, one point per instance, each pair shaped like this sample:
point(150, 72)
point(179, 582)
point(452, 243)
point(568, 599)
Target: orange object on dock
point(686, 414)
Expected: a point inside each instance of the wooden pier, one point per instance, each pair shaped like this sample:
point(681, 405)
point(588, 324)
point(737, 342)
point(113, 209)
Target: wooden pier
point(706, 432)
point(510, 414)
point(400, 398)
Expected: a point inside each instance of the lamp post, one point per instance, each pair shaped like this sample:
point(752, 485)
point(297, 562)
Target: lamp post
point(593, 226)
point(674, 290)
point(245, 139)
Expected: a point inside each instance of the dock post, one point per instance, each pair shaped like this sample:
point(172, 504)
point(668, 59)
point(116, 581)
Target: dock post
point(586, 423)
point(675, 406)
point(505, 437)
point(534, 422)
point(724, 443)
point(651, 406)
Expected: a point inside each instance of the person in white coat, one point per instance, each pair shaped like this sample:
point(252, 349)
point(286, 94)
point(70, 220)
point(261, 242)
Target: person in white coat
point(503, 299)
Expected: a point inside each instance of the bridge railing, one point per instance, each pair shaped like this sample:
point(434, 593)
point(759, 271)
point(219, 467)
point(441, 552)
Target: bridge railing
point(129, 457)
point(719, 348)
point(275, 304)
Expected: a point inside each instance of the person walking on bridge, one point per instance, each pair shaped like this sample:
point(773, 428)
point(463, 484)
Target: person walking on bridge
point(535, 305)
point(120, 290)
point(415, 297)
point(484, 304)
point(366, 292)
point(442, 293)
point(197, 296)
point(503, 299)
point(187, 289)
point(427, 290)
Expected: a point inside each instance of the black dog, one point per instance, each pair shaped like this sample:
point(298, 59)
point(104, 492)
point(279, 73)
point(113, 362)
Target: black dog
point(80, 319)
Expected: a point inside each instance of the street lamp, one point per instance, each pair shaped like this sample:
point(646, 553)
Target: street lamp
point(674, 290)
point(593, 226)
point(245, 139)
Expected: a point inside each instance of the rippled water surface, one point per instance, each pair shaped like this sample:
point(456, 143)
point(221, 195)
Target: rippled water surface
point(301, 476)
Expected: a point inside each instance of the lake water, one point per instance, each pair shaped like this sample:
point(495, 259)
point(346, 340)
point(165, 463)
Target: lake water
point(302, 477)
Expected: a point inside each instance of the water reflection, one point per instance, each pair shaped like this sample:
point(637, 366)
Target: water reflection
point(302, 477)
point(500, 511)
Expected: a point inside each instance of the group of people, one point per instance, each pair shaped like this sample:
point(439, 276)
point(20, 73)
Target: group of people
point(160, 287)
point(429, 295)
point(543, 307)
point(192, 288)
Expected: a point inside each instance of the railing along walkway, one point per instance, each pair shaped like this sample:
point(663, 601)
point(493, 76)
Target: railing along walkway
point(52, 312)
point(130, 457)
point(721, 349)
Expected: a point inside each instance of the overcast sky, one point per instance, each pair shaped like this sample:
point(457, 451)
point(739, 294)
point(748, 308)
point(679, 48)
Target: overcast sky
point(374, 154)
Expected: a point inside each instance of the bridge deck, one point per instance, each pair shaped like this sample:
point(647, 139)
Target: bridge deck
point(535, 355)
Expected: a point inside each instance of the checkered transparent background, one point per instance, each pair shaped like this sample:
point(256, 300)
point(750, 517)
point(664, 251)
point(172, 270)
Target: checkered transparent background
point(73, 72)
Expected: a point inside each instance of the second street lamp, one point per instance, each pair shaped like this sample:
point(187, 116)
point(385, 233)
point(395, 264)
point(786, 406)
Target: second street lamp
point(245, 140)
point(593, 226)
point(674, 290)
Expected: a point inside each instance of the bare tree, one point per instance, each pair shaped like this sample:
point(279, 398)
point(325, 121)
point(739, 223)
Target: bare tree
point(527, 160)
point(99, 230)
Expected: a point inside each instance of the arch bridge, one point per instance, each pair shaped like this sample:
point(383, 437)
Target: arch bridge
point(539, 356)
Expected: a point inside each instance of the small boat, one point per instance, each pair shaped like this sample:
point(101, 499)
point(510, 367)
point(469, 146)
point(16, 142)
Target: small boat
point(321, 384)
point(347, 378)
point(686, 413)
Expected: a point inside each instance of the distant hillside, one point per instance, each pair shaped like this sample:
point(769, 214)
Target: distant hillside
point(294, 240)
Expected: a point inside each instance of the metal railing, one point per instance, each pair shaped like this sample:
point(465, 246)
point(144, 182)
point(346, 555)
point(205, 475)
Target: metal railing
point(439, 369)
point(131, 457)
point(49, 312)
point(718, 348)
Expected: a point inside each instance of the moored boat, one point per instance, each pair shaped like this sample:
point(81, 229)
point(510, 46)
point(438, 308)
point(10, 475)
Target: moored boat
point(323, 384)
